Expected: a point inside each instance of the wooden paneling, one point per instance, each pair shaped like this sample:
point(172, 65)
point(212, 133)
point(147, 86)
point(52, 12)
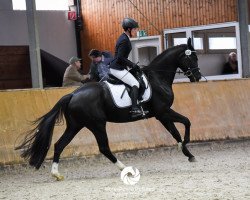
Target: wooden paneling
point(102, 18)
point(214, 111)
point(14, 67)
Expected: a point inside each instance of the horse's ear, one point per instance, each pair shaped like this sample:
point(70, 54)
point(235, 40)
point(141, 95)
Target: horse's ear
point(189, 44)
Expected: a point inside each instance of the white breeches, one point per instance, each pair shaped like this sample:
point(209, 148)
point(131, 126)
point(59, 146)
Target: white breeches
point(125, 76)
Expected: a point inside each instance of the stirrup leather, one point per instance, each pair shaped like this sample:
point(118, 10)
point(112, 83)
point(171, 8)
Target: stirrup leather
point(136, 112)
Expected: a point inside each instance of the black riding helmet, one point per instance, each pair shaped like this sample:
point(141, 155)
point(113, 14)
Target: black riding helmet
point(129, 23)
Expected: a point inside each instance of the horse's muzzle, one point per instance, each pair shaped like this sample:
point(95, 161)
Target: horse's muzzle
point(194, 75)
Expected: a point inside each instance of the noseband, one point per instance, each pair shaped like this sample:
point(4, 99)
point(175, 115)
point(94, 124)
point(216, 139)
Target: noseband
point(189, 72)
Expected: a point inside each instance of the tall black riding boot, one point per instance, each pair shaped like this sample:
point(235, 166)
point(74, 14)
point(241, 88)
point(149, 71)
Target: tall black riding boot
point(136, 111)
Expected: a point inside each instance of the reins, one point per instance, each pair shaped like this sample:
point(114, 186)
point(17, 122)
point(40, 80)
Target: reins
point(187, 73)
point(188, 52)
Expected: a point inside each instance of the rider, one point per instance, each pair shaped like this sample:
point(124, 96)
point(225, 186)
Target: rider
point(118, 66)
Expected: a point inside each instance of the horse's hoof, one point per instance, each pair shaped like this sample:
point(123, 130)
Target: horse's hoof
point(58, 177)
point(192, 159)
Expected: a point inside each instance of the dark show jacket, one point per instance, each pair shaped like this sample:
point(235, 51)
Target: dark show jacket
point(122, 49)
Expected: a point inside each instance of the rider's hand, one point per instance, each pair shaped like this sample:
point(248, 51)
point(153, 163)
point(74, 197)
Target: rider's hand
point(137, 67)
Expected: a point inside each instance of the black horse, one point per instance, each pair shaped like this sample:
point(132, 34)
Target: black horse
point(91, 106)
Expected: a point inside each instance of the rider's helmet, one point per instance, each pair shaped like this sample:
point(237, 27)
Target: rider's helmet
point(129, 23)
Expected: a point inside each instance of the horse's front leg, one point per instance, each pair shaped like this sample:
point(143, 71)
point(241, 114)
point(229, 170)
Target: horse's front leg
point(172, 130)
point(167, 119)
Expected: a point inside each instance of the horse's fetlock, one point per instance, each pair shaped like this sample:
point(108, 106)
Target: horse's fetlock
point(185, 142)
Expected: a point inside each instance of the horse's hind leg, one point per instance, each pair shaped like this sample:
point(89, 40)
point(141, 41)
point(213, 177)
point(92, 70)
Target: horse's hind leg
point(59, 146)
point(99, 131)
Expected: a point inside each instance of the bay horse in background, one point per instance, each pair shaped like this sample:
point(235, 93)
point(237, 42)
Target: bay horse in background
point(91, 106)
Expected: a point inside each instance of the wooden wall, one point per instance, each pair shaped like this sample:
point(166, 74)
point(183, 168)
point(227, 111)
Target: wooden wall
point(214, 111)
point(102, 18)
point(14, 67)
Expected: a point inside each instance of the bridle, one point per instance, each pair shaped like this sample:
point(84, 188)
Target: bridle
point(189, 73)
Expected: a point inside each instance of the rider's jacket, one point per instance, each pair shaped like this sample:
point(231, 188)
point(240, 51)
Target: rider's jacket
point(122, 50)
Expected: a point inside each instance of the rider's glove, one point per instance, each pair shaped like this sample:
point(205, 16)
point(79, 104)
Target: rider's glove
point(136, 67)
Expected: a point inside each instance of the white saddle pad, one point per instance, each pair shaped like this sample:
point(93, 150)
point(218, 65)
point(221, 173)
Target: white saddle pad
point(122, 99)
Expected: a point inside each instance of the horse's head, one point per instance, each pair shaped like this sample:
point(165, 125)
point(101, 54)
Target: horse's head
point(188, 63)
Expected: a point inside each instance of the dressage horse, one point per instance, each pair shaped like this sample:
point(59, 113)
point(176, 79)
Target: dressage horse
point(91, 106)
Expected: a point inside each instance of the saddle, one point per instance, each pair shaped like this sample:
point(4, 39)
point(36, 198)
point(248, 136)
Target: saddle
point(137, 73)
point(120, 92)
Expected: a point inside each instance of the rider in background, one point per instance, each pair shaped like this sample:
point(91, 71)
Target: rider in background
point(118, 66)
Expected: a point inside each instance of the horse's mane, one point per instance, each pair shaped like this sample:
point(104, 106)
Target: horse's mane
point(166, 53)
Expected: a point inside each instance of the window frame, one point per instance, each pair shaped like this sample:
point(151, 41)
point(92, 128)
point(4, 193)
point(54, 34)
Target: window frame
point(189, 31)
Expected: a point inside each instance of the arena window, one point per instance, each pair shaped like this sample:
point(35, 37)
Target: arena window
point(213, 43)
point(222, 43)
point(198, 43)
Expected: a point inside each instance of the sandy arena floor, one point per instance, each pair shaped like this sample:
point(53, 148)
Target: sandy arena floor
point(222, 172)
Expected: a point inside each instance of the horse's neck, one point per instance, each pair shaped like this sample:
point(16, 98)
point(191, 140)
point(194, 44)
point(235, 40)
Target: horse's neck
point(164, 67)
point(163, 77)
point(165, 70)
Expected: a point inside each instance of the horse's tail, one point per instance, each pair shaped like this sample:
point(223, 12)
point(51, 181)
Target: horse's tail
point(36, 143)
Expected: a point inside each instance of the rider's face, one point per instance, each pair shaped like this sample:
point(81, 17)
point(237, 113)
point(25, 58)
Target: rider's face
point(134, 32)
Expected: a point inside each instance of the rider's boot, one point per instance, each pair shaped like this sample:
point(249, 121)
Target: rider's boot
point(135, 111)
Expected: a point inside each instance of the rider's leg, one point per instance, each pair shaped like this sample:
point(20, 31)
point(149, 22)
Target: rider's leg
point(134, 97)
point(126, 77)
point(130, 80)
